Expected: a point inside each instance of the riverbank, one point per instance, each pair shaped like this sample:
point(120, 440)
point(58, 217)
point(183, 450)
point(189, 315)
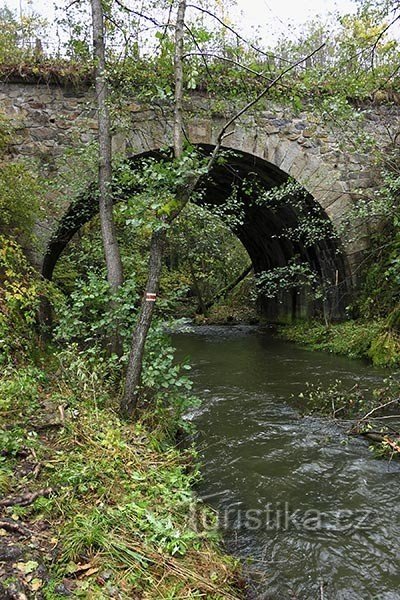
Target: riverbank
point(372, 340)
point(93, 507)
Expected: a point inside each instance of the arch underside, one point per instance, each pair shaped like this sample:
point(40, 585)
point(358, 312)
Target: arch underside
point(262, 231)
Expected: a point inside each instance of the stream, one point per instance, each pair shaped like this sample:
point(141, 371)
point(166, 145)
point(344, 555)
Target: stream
point(310, 511)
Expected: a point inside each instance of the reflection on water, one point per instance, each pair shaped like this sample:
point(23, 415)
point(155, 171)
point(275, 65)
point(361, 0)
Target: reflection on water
point(317, 515)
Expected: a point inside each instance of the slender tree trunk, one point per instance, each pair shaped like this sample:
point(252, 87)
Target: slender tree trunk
point(108, 230)
point(178, 74)
point(134, 371)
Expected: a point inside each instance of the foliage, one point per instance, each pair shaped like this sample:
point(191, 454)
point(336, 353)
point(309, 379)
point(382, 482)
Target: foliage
point(165, 393)
point(300, 220)
point(19, 36)
point(204, 250)
point(375, 334)
point(22, 292)
point(119, 503)
point(293, 276)
point(21, 295)
point(20, 189)
point(334, 401)
point(360, 47)
point(202, 254)
point(19, 390)
point(373, 414)
point(156, 186)
point(385, 348)
point(89, 315)
point(380, 294)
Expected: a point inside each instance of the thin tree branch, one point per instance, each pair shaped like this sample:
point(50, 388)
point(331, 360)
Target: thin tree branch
point(240, 37)
point(200, 52)
point(380, 36)
point(139, 14)
point(224, 131)
point(374, 410)
point(228, 60)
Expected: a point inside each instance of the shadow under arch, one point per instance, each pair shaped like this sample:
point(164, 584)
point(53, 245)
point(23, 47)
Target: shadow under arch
point(261, 230)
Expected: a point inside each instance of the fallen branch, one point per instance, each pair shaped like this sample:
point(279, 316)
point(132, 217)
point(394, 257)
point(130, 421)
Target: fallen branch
point(26, 499)
point(14, 527)
point(374, 410)
point(381, 438)
point(394, 445)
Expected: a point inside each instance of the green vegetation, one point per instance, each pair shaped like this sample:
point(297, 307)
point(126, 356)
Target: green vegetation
point(226, 65)
point(120, 513)
point(374, 331)
point(356, 339)
point(107, 504)
point(94, 506)
point(373, 414)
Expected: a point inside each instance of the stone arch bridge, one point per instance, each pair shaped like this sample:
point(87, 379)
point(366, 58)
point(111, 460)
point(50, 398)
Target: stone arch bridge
point(271, 144)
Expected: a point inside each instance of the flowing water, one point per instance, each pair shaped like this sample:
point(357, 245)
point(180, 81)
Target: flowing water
point(315, 513)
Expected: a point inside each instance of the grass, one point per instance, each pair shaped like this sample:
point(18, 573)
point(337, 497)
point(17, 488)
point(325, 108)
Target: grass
point(372, 340)
point(122, 518)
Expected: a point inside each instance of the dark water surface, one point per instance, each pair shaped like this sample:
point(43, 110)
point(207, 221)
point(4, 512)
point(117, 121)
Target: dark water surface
point(318, 516)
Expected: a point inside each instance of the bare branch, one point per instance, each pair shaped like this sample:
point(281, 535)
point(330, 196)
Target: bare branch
point(380, 36)
point(138, 14)
point(374, 410)
point(228, 60)
point(200, 51)
point(223, 133)
point(238, 35)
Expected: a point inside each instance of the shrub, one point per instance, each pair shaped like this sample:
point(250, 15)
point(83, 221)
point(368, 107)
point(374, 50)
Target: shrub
point(21, 294)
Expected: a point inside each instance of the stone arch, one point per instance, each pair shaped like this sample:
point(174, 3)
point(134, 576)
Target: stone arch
point(259, 232)
point(292, 144)
point(318, 154)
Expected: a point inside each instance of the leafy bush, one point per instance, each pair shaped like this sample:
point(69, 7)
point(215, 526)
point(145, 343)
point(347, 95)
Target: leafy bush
point(18, 35)
point(118, 501)
point(20, 190)
point(19, 389)
point(89, 315)
point(21, 294)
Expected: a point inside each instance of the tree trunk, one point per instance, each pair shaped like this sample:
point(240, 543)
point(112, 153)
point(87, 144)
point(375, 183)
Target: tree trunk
point(108, 230)
point(130, 399)
point(133, 375)
point(178, 75)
